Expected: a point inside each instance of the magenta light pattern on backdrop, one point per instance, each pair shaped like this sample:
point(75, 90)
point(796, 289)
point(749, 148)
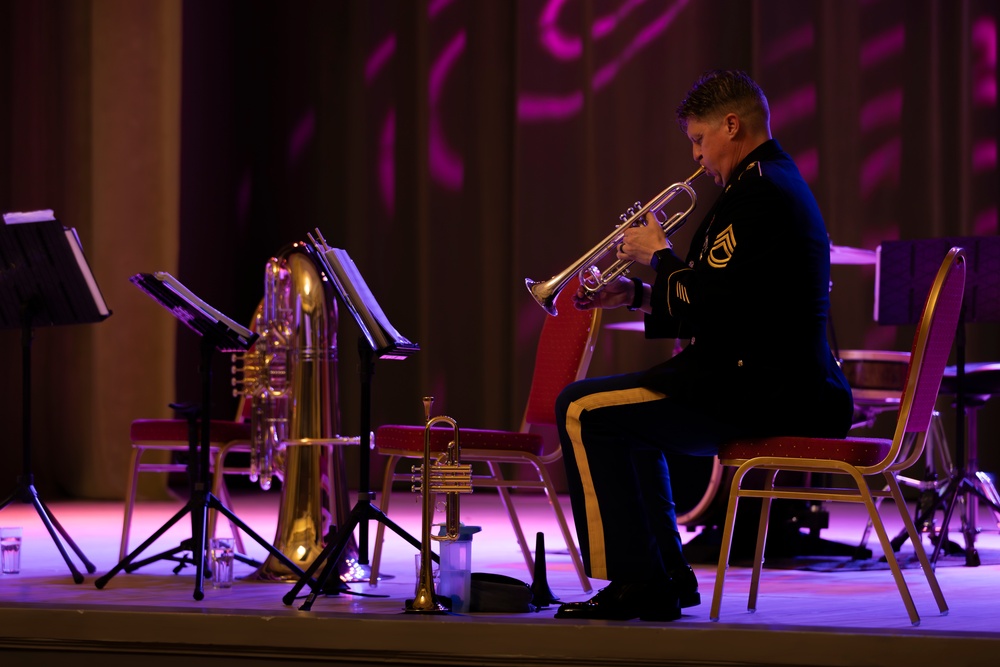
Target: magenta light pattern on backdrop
point(878, 119)
point(540, 106)
point(984, 96)
point(445, 164)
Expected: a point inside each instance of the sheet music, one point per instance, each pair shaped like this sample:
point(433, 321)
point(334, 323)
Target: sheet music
point(38, 233)
point(381, 335)
point(18, 217)
point(194, 312)
point(88, 276)
point(199, 303)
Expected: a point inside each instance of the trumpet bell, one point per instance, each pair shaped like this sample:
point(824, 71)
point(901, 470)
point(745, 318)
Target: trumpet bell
point(545, 294)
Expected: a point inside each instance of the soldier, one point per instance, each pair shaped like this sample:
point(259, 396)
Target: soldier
point(752, 299)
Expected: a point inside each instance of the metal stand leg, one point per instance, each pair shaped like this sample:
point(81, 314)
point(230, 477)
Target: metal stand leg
point(200, 503)
point(25, 490)
point(939, 470)
point(970, 486)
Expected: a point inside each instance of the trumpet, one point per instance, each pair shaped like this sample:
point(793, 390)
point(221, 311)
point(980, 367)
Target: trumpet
point(593, 278)
point(445, 475)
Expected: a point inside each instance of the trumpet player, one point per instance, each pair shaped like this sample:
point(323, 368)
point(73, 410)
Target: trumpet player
point(751, 298)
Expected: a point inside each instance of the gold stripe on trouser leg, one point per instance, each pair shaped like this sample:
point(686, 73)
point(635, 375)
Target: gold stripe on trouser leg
point(595, 526)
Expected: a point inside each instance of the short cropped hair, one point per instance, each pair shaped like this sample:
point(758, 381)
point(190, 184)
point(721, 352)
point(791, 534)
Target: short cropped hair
point(719, 92)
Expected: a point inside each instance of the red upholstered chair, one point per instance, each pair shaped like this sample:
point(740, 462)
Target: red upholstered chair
point(854, 457)
point(562, 356)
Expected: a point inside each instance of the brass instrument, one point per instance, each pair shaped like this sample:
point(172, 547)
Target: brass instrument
point(445, 475)
point(593, 278)
point(290, 378)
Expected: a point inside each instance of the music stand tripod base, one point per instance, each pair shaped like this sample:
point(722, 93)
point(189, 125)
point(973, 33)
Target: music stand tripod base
point(215, 335)
point(201, 501)
point(25, 490)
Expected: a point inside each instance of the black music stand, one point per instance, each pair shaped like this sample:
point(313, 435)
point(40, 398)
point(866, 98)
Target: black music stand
point(904, 273)
point(379, 340)
point(217, 332)
point(44, 281)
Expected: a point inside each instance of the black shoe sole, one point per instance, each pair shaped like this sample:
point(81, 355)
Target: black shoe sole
point(662, 613)
point(596, 617)
point(690, 599)
point(662, 617)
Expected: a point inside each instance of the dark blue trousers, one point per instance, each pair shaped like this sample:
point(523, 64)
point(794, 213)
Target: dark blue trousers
point(614, 434)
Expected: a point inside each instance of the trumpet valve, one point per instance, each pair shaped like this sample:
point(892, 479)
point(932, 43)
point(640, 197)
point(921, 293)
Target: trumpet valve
point(591, 278)
point(450, 478)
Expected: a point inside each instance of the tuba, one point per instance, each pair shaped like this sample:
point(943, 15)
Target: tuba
point(594, 279)
point(290, 379)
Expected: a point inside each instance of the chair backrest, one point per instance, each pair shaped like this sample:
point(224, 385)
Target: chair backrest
point(565, 347)
point(932, 345)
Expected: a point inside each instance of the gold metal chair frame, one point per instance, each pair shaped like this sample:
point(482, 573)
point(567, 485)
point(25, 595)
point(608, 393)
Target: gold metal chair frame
point(932, 343)
point(217, 453)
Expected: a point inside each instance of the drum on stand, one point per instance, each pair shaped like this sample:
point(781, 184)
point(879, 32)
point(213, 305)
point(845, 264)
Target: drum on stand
point(700, 488)
point(696, 482)
point(877, 378)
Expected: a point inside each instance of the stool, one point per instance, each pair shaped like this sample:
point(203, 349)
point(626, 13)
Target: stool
point(980, 381)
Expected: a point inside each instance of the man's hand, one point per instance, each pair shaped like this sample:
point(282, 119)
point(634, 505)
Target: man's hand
point(639, 243)
point(615, 295)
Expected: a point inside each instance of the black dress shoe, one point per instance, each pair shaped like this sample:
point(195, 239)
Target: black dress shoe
point(686, 586)
point(624, 601)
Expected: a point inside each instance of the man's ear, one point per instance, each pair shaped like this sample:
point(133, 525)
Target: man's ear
point(732, 124)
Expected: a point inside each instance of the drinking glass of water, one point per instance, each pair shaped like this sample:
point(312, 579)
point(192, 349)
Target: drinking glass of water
point(10, 549)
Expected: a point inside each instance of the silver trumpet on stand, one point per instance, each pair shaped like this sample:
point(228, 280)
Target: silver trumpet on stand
point(445, 475)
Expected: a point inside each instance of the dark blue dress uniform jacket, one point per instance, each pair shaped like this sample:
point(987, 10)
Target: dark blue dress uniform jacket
point(753, 298)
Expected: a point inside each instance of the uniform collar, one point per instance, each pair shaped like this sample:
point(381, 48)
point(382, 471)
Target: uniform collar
point(768, 150)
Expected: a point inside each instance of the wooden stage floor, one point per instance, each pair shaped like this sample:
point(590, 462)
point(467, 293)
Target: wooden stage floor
point(150, 616)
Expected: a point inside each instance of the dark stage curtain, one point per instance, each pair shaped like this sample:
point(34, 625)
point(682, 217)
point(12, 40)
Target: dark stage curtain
point(454, 148)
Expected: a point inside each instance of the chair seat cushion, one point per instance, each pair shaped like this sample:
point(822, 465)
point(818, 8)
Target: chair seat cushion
point(411, 439)
point(158, 430)
point(856, 451)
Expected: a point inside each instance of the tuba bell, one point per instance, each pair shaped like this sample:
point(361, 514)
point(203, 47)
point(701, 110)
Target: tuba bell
point(290, 379)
